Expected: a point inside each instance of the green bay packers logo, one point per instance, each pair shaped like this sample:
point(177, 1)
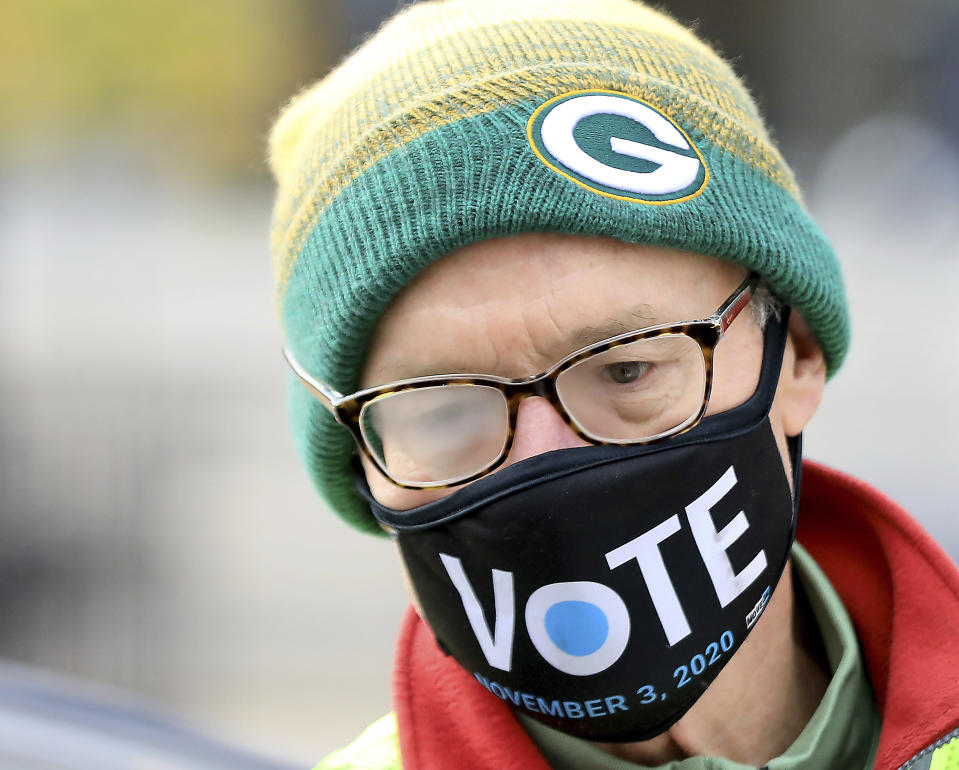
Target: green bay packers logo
point(619, 146)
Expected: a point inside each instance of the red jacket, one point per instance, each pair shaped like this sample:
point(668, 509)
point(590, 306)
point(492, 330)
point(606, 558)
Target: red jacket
point(899, 587)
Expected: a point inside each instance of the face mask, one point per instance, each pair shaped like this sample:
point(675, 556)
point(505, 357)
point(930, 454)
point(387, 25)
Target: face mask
point(602, 589)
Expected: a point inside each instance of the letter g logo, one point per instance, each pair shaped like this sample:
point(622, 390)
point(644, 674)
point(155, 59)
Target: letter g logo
point(618, 146)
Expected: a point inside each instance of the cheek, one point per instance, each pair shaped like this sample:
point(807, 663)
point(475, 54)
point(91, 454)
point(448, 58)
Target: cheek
point(736, 370)
point(736, 366)
point(392, 496)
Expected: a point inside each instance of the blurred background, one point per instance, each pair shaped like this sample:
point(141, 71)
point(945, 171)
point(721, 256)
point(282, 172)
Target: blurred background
point(157, 532)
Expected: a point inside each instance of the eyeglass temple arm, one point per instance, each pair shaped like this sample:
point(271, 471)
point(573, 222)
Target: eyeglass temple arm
point(326, 395)
point(735, 304)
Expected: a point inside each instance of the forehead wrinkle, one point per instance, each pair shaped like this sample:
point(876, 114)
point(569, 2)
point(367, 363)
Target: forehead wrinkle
point(539, 349)
point(482, 355)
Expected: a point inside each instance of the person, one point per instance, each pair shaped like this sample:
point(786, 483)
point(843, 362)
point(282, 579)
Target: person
point(557, 319)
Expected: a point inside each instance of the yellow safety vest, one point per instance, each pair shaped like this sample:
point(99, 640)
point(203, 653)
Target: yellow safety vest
point(376, 748)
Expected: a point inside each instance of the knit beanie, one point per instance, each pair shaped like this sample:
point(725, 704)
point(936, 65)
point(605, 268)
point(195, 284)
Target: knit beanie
point(462, 120)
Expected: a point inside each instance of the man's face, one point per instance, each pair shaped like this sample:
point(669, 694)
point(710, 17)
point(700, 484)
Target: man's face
point(513, 306)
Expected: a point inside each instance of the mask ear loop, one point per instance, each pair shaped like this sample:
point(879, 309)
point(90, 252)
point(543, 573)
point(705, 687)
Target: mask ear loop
point(794, 444)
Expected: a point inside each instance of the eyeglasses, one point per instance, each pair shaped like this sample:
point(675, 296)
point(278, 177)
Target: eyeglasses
point(441, 431)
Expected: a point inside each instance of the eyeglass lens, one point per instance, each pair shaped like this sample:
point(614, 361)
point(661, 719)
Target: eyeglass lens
point(437, 434)
point(630, 393)
point(638, 391)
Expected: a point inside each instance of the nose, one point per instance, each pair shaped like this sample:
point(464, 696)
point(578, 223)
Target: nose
point(540, 428)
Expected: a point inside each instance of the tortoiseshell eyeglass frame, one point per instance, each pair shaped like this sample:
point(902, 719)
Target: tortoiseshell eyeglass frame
point(707, 332)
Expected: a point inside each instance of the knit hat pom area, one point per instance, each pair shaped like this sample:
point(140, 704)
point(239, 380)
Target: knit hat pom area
point(462, 120)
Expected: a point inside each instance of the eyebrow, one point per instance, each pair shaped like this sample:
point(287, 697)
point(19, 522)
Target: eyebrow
point(637, 318)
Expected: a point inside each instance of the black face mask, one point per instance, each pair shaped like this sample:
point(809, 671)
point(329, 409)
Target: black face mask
point(601, 589)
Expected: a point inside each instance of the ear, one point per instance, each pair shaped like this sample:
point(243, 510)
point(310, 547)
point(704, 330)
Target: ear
point(803, 377)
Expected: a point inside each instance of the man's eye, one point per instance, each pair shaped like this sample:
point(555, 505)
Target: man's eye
point(625, 372)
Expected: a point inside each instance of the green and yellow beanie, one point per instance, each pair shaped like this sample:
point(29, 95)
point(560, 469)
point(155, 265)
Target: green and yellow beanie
point(462, 120)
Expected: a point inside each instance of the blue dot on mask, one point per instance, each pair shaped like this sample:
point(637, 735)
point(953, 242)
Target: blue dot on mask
point(577, 628)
